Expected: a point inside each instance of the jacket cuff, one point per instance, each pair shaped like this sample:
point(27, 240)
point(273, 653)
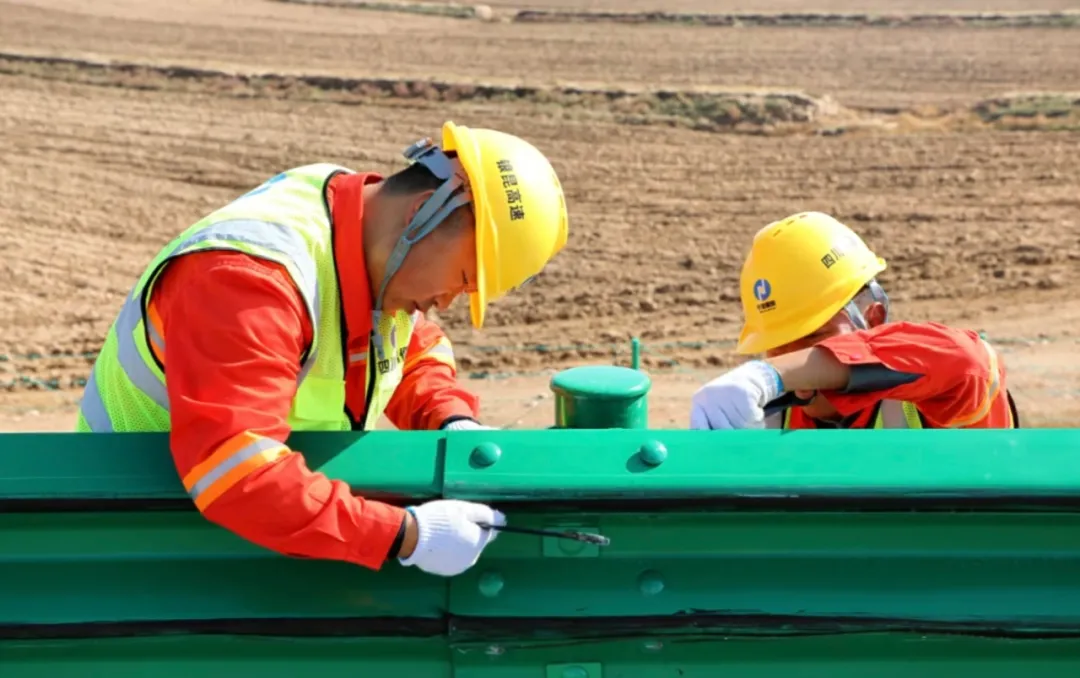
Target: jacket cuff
point(372, 546)
point(456, 417)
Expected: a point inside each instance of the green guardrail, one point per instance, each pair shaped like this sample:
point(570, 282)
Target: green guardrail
point(748, 553)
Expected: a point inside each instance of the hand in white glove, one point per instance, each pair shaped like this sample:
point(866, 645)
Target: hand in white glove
point(450, 541)
point(737, 398)
point(467, 425)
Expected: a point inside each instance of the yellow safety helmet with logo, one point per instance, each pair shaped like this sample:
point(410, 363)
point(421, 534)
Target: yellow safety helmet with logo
point(801, 271)
point(517, 200)
point(521, 220)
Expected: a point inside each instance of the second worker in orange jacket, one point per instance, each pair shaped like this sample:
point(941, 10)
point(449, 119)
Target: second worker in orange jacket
point(813, 307)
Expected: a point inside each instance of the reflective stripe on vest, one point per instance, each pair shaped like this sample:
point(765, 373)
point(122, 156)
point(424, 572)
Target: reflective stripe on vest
point(135, 368)
point(272, 237)
point(891, 414)
point(92, 407)
point(285, 220)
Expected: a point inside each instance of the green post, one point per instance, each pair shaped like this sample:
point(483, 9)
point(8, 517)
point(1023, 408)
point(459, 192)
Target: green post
point(601, 396)
point(635, 353)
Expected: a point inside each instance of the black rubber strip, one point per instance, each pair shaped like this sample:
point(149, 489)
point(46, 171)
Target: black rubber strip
point(487, 629)
point(544, 504)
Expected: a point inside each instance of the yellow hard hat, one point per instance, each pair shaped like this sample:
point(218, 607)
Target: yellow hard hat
point(521, 220)
point(801, 271)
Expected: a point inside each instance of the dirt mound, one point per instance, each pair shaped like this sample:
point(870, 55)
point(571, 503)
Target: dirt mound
point(810, 19)
point(703, 110)
point(756, 112)
point(897, 19)
point(450, 10)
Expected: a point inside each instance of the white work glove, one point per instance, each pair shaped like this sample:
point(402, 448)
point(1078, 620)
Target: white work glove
point(467, 425)
point(737, 398)
point(450, 540)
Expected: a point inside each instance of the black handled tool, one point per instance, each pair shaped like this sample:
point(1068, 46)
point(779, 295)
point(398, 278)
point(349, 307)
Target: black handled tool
point(586, 537)
point(785, 401)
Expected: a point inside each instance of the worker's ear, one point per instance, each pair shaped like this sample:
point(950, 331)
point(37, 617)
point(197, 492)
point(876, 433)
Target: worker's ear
point(875, 315)
point(456, 231)
point(416, 202)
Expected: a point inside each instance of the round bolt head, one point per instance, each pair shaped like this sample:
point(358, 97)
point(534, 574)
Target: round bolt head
point(653, 452)
point(650, 583)
point(486, 454)
point(491, 583)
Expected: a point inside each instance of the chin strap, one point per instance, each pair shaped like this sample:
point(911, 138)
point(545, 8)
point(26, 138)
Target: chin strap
point(452, 194)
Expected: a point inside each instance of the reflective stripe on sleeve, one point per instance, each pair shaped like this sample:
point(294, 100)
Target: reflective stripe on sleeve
point(440, 352)
point(230, 464)
point(987, 400)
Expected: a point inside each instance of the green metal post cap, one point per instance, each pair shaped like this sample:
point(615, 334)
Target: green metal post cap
point(601, 396)
point(486, 454)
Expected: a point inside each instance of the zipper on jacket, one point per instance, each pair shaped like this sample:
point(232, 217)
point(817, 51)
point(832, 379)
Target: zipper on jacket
point(370, 378)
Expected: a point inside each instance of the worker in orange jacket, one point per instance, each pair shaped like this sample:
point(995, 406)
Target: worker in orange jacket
point(300, 306)
point(813, 307)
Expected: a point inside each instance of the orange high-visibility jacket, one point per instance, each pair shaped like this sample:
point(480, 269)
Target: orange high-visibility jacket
point(959, 382)
point(235, 329)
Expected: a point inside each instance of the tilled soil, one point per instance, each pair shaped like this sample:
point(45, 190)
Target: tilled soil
point(979, 227)
point(864, 67)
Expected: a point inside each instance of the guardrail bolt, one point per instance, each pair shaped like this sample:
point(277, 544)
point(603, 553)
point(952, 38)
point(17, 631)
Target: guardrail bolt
point(486, 454)
point(650, 583)
point(653, 453)
point(491, 583)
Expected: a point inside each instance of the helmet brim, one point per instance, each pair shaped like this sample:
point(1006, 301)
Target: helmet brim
point(752, 341)
point(457, 139)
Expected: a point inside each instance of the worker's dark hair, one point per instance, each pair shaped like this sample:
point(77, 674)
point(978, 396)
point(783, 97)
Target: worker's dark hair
point(416, 179)
point(413, 179)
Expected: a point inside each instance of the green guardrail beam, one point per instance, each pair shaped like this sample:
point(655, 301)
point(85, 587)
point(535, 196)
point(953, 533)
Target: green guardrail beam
point(746, 553)
point(80, 568)
point(745, 569)
point(588, 464)
point(71, 466)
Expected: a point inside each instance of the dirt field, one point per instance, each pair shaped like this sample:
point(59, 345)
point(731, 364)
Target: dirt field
point(977, 215)
point(856, 66)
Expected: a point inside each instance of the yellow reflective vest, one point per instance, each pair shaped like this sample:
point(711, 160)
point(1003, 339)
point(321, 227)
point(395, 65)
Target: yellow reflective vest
point(285, 220)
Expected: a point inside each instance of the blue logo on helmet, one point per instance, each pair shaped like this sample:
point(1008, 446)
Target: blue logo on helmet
point(762, 289)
